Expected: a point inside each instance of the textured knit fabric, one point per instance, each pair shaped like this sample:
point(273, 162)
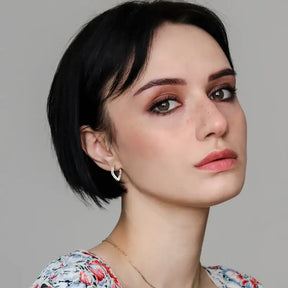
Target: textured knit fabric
point(81, 269)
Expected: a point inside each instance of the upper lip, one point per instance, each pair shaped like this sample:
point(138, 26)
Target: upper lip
point(217, 155)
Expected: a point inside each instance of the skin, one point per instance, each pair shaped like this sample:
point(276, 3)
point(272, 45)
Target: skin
point(165, 210)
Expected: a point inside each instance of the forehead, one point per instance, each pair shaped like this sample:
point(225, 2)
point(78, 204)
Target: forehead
point(183, 50)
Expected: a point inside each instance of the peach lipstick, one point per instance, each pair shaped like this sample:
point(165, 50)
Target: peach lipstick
point(218, 161)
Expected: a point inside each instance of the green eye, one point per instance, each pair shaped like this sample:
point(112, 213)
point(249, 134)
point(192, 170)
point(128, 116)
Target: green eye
point(164, 106)
point(223, 94)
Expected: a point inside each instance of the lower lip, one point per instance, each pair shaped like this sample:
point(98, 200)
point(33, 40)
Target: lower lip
point(219, 165)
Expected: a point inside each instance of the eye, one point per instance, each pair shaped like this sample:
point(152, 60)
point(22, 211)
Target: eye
point(223, 94)
point(164, 106)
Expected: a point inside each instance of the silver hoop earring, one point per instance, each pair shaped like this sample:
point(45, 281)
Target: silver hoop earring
point(117, 178)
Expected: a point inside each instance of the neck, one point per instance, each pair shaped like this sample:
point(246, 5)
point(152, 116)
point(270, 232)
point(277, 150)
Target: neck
point(162, 239)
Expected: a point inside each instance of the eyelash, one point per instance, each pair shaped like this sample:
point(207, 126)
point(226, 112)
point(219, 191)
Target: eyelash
point(229, 88)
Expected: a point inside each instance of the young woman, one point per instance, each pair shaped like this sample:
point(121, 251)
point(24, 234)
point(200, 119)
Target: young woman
point(147, 91)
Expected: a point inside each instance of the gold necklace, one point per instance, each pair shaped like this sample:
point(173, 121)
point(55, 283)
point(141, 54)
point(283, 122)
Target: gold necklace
point(129, 261)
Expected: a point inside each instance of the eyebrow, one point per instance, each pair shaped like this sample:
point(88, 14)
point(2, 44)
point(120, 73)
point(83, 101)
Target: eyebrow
point(222, 73)
point(161, 82)
point(179, 81)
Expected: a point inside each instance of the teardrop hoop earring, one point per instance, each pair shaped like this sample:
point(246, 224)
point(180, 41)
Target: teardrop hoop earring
point(117, 178)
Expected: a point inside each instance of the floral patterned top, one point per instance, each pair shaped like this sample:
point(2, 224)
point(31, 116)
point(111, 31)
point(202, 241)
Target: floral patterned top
point(81, 269)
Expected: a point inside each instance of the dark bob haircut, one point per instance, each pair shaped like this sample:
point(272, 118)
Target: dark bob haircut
point(102, 61)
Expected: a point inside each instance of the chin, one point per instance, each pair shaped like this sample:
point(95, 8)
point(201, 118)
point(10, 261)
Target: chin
point(224, 192)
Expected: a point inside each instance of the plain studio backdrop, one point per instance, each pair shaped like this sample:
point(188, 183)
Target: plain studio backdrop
point(40, 217)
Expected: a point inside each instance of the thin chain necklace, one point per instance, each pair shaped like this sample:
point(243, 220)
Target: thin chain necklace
point(129, 261)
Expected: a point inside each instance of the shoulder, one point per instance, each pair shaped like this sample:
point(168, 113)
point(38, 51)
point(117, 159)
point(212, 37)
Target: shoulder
point(79, 269)
point(230, 278)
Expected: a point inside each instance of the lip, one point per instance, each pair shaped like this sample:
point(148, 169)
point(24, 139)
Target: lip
point(218, 160)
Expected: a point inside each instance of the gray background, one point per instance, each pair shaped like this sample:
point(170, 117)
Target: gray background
point(41, 219)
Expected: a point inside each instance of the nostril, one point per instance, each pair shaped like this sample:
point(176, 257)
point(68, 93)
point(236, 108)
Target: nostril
point(210, 134)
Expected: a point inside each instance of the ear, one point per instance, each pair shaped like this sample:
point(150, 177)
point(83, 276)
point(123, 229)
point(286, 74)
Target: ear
point(96, 147)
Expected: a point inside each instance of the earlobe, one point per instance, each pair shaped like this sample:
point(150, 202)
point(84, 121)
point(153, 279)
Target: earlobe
point(94, 145)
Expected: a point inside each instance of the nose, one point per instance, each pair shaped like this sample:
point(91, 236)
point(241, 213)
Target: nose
point(211, 122)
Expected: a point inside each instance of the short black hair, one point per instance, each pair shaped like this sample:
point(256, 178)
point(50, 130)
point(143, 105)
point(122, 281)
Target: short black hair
point(101, 55)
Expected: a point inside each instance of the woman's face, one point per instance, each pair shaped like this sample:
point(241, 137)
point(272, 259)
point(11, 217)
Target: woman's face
point(181, 109)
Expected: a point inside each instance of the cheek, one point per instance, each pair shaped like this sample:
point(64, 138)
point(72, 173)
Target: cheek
point(142, 153)
point(241, 126)
point(237, 124)
point(136, 141)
